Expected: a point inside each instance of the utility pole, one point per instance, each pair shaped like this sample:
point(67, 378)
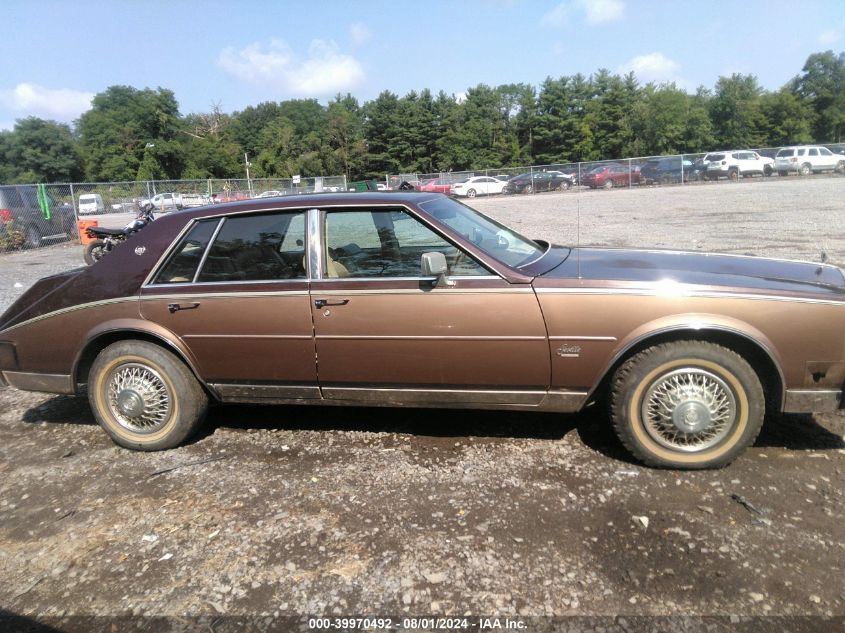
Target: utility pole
point(248, 181)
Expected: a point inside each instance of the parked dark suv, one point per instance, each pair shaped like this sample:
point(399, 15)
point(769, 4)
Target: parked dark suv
point(20, 211)
point(667, 170)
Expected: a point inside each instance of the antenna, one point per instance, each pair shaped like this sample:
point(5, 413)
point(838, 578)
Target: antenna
point(578, 233)
point(578, 224)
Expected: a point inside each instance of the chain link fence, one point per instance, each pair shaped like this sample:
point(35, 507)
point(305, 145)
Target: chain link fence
point(677, 169)
point(32, 216)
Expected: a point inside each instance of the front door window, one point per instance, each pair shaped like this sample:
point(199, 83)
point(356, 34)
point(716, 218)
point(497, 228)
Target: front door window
point(376, 244)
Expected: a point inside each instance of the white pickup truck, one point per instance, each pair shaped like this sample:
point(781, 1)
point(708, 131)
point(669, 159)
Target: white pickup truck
point(163, 202)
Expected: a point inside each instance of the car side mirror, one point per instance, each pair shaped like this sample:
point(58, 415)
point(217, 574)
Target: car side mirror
point(433, 264)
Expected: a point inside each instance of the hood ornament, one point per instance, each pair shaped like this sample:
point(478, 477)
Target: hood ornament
point(140, 250)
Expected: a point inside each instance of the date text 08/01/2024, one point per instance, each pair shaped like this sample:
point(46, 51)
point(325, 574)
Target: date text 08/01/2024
point(413, 624)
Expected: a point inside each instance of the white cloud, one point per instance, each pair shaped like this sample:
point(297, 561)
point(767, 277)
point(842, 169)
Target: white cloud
point(325, 70)
point(828, 37)
point(594, 12)
point(652, 67)
point(598, 11)
point(359, 33)
point(34, 100)
point(558, 16)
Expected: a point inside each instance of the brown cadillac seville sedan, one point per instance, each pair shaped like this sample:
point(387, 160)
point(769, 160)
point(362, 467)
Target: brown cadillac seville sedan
point(414, 299)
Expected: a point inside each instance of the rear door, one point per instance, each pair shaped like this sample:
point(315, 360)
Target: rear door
point(235, 290)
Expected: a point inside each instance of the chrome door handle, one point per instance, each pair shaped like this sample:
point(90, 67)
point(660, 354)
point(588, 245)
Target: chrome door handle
point(175, 307)
point(321, 303)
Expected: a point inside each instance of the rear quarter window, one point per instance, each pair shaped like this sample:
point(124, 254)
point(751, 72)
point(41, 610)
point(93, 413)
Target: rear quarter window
point(182, 264)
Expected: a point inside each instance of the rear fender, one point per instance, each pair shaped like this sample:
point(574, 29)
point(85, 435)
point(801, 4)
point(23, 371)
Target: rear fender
point(119, 329)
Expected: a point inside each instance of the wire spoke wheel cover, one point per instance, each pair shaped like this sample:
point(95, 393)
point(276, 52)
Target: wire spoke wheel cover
point(138, 398)
point(688, 409)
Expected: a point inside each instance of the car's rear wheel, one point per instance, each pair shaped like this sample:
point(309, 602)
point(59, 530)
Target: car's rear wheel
point(805, 169)
point(687, 404)
point(840, 166)
point(608, 184)
point(470, 193)
point(528, 189)
point(144, 397)
point(94, 252)
point(767, 171)
point(33, 236)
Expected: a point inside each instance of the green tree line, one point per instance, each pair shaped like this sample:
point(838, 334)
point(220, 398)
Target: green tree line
point(134, 134)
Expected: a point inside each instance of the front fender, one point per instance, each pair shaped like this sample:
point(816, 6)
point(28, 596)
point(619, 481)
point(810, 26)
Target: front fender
point(694, 323)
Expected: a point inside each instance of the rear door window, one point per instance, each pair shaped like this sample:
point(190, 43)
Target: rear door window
point(813, 152)
point(269, 247)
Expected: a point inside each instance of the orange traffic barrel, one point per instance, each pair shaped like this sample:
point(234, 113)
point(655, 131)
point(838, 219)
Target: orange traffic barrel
point(83, 236)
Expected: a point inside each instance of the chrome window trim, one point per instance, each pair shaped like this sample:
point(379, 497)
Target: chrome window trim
point(208, 249)
point(420, 291)
point(314, 241)
point(426, 279)
point(301, 280)
point(234, 293)
point(310, 210)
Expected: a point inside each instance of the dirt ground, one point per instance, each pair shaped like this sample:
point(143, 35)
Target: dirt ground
point(292, 511)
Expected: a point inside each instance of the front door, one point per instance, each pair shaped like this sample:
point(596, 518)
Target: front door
point(386, 333)
point(235, 290)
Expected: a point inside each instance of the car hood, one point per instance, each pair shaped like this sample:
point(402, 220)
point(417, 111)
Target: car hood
point(704, 269)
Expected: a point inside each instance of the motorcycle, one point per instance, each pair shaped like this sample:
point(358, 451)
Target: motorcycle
point(106, 239)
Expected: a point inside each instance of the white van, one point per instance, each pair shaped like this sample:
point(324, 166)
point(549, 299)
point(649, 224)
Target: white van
point(91, 203)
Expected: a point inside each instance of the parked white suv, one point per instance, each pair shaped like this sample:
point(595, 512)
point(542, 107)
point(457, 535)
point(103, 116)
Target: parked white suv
point(734, 163)
point(807, 159)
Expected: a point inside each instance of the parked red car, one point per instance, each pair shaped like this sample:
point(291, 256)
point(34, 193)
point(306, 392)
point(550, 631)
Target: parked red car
point(610, 175)
point(438, 185)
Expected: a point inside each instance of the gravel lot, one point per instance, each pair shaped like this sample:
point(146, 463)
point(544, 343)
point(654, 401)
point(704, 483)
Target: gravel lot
point(280, 511)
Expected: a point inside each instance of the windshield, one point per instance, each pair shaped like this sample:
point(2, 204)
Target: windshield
point(498, 241)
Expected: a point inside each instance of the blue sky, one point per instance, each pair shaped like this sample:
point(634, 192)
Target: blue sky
point(57, 55)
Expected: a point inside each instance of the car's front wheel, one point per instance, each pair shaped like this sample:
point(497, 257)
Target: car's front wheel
point(144, 397)
point(608, 184)
point(470, 193)
point(805, 169)
point(687, 404)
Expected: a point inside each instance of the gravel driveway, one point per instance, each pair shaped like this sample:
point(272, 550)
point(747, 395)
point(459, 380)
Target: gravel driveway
point(292, 511)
